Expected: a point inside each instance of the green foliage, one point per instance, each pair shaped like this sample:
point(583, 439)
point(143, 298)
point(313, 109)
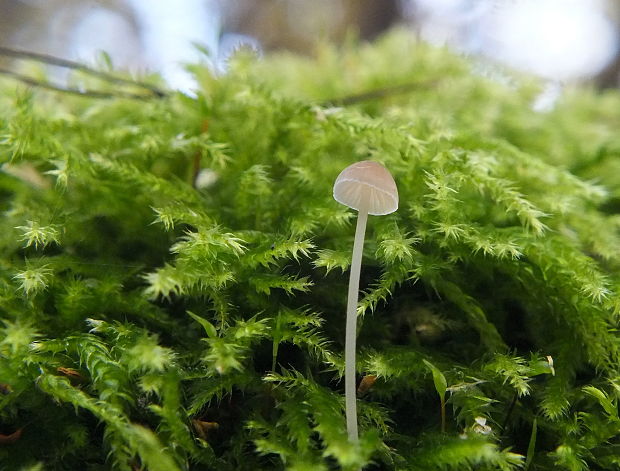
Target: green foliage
point(441, 386)
point(155, 319)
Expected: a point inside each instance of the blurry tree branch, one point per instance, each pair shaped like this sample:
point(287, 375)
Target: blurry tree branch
point(296, 26)
point(75, 91)
point(378, 93)
point(154, 92)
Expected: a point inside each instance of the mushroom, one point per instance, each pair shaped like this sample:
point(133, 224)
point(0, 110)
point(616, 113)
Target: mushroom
point(369, 188)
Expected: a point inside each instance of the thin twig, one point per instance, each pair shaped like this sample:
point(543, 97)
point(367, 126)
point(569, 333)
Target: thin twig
point(378, 93)
point(68, 64)
point(73, 91)
point(509, 412)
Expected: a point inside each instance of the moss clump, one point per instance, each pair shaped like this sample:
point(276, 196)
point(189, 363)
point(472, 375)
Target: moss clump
point(152, 323)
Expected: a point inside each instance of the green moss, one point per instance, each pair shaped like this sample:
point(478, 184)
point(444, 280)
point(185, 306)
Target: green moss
point(150, 323)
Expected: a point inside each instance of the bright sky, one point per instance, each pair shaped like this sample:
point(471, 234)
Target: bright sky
point(169, 30)
point(559, 39)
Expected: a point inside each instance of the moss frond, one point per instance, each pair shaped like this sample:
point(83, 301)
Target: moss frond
point(173, 271)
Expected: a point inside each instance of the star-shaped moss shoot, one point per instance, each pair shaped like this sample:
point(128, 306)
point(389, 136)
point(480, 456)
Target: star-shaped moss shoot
point(369, 188)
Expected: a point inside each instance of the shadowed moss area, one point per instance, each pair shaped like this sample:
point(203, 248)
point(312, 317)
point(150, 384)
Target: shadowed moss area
point(174, 271)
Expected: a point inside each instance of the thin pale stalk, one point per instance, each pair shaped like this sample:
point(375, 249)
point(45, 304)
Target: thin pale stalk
point(351, 330)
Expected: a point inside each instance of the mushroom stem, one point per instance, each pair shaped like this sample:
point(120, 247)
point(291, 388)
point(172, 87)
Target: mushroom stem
point(351, 329)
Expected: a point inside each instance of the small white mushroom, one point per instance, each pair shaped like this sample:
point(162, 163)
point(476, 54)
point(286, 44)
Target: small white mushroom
point(369, 188)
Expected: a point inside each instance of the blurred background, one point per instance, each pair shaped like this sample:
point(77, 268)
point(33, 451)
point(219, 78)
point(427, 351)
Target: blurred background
point(563, 41)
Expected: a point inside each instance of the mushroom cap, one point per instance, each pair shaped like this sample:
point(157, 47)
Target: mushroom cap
point(367, 176)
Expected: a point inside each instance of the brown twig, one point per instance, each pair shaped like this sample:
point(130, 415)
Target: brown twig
point(73, 91)
point(68, 64)
point(378, 93)
point(11, 438)
point(509, 412)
